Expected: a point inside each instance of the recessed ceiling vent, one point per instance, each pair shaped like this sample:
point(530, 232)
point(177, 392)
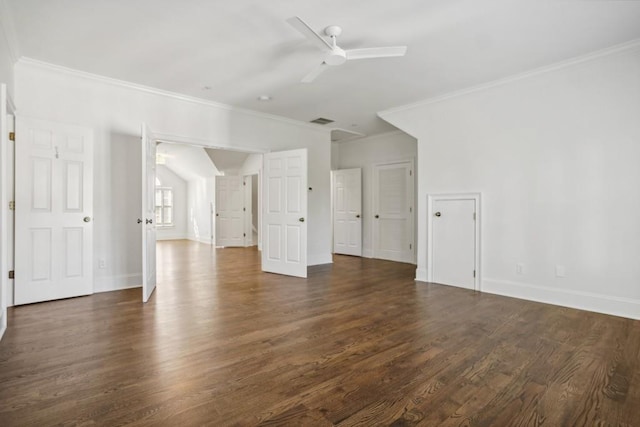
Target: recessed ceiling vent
point(322, 121)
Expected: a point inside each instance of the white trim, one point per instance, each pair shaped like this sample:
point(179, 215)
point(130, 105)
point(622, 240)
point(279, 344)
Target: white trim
point(615, 306)
point(319, 259)
point(520, 76)
point(3, 324)
point(376, 136)
point(367, 253)
point(9, 31)
point(170, 236)
point(201, 240)
point(117, 283)
point(155, 91)
point(421, 275)
point(431, 198)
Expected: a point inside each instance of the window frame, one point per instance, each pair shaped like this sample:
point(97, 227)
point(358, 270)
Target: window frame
point(163, 206)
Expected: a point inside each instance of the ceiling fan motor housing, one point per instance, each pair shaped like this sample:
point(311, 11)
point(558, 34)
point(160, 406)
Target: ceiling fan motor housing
point(337, 56)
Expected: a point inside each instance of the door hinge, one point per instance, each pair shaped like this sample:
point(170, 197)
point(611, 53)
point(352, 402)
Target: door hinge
point(244, 183)
point(474, 273)
point(12, 274)
point(474, 216)
point(244, 209)
point(410, 172)
point(12, 136)
point(12, 205)
point(410, 246)
point(410, 209)
point(244, 234)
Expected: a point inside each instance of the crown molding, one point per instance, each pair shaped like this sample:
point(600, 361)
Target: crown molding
point(630, 45)
point(377, 136)
point(168, 94)
point(9, 31)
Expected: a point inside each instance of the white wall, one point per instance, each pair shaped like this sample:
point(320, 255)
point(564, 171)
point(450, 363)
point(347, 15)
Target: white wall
point(201, 194)
point(179, 186)
point(7, 51)
point(364, 153)
point(555, 155)
point(115, 111)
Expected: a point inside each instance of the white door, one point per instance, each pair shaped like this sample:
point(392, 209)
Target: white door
point(54, 211)
point(393, 211)
point(284, 243)
point(229, 211)
point(347, 212)
point(4, 187)
point(454, 242)
point(148, 213)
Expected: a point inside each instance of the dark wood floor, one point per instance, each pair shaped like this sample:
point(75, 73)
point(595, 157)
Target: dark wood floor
point(358, 343)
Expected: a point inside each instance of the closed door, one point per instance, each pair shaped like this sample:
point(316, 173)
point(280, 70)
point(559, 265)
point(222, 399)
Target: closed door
point(54, 211)
point(284, 245)
point(347, 212)
point(454, 245)
point(148, 212)
point(393, 211)
point(229, 211)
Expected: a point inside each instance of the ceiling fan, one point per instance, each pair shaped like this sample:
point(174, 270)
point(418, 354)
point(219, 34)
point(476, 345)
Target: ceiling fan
point(336, 55)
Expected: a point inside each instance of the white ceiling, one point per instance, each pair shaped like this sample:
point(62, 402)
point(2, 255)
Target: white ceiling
point(244, 48)
point(227, 160)
point(187, 161)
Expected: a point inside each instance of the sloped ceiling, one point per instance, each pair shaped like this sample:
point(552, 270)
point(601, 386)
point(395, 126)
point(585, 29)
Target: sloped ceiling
point(186, 161)
point(226, 160)
point(235, 51)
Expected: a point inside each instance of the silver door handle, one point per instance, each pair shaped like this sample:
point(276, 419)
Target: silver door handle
point(438, 214)
point(149, 221)
point(139, 221)
point(87, 219)
point(301, 220)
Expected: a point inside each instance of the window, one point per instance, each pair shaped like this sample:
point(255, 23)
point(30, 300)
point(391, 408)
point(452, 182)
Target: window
point(164, 206)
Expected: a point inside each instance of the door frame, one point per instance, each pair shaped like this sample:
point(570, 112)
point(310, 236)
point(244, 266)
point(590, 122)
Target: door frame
point(431, 199)
point(5, 110)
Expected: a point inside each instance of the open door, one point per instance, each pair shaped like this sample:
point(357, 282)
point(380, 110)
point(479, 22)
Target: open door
point(4, 236)
point(347, 212)
point(229, 211)
point(148, 213)
point(284, 248)
point(54, 211)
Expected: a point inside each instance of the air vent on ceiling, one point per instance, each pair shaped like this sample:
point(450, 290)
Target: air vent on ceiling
point(322, 121)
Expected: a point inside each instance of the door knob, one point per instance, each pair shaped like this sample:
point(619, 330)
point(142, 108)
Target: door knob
point(139, 220)
point(87, 219)
point(149, 221)
point(438, 214)
point(358, 216)
point(377, 216)
point(301, 220)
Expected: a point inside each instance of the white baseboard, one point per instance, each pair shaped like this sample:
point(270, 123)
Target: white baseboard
point(172, 237)
point(195, 239)
point(421, 274)
point(117, 283)
point(616, 306)
point(367, 253)
point(319, 259)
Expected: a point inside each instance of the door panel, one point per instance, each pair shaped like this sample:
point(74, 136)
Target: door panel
point(229, 211)
point(393, 212)
point(347, 212)
point(285, 215)
point(453, 248)
point(148, 142)
point(54, 224)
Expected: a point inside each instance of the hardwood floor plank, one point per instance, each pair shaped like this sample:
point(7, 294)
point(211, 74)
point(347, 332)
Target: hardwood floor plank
point(358, 343)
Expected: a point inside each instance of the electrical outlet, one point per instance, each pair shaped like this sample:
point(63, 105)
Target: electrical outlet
point(102, 264)
point(560, 271)
point(519, 269)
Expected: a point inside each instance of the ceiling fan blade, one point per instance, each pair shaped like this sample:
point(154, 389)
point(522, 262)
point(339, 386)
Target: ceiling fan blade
point(315, 73)
point(308, 32)
point(376, 52)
